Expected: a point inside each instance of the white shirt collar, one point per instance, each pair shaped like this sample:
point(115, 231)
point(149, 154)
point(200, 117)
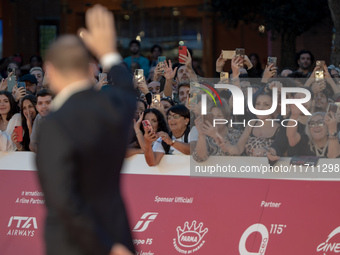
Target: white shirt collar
point(69, 91)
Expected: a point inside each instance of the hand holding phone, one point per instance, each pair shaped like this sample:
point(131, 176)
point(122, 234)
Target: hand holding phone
point(272, 60)
point(156, 101)
point(332, 108)
point(161, 63)
point(240, 52)
point(182, 50)
point(18, 131)
point(147, 126)
point(320, 64)
point(139, 73)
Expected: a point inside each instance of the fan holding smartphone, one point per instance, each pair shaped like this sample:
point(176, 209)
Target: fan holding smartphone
point(9, 119)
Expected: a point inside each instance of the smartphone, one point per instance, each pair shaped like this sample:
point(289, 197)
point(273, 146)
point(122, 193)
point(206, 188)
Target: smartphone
point(11, 81)
point(156, 100)
point(319, 75)
point(139, 73)
point(320, 64)
point(22, 84)
point(161, 60)
point(193, 97)
point(332, 108)
point(228, 54)
point(240, 52)
point(102, 75)
point(147, 126)
point(11, 70)
point(18, 130)
point(209, 117)
point(182, 50)
point(224, 75)
point(271, 60)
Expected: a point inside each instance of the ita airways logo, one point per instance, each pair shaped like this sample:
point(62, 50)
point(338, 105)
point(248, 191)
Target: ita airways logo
point(22, 226)
point(190, 238)
point(330, 246)
point(144, 221)
point(264, 242)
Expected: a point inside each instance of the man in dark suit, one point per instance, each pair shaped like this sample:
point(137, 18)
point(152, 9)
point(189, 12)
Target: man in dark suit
point(82, 144)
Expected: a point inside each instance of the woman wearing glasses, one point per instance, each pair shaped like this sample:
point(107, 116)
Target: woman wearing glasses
point(322, 137)
point(174, 142)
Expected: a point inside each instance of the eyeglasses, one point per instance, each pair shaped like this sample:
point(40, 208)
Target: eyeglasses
point(319, 123)
point(174, 116)
point(168, 99)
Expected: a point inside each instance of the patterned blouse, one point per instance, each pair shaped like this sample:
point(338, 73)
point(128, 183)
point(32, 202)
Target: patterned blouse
point(232, 136)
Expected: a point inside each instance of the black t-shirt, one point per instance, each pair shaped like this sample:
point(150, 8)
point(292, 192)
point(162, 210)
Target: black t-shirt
point(281, 144)
point(304, 149)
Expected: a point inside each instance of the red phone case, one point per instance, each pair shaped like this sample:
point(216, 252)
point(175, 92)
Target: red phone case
point(182, 50)
point(18, 130)
point(147, 125)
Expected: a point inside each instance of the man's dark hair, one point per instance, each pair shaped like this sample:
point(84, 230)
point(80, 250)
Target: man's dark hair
point(43, 93)
point(13, 105)
point(298, 55)
point(156, 46)
point(181, 85)
point(134, 41)
point(177, 64)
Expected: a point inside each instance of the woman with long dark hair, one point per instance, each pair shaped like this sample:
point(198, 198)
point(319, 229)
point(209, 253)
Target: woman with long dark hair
point(28, 114)
point(157, 121)
point(9, 119)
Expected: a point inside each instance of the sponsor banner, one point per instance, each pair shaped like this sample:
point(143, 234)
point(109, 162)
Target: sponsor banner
point(22, 213)
point(232, 216)
point(179, 214)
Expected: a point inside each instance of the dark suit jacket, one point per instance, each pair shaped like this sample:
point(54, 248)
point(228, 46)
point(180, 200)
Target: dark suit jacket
point(81, 150)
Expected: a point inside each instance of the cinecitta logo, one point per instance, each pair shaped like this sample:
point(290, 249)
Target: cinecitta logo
point(330, 247)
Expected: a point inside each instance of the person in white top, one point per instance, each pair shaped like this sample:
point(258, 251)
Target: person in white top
point(9, 118)
point(176, 142)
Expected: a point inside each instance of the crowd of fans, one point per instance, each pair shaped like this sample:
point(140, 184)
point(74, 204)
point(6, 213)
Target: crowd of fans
point(168, 117)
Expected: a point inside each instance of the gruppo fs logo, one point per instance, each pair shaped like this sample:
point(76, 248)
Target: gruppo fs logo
point(330, 247)
point(144, 222)
point(189, 238)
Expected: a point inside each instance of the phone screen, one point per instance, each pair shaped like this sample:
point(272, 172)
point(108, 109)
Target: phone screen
point(11, 81)
point(240, 52)
point(139, 73)
point(271, 60)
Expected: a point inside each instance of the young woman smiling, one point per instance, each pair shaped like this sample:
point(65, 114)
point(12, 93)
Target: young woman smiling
point(9, 118)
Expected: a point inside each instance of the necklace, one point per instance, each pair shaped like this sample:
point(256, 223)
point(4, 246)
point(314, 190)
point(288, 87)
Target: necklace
point(320, 152)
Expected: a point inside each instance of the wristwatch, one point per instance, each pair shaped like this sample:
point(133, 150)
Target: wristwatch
point(332, 135)
point(173, 141)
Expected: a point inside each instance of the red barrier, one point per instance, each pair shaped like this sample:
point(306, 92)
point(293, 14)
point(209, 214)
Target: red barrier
point(173, 213)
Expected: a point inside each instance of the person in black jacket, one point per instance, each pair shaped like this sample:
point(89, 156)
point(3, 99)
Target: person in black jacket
point(82, 144)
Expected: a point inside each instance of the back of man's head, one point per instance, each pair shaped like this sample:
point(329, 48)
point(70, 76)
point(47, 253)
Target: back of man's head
point(67, 54)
